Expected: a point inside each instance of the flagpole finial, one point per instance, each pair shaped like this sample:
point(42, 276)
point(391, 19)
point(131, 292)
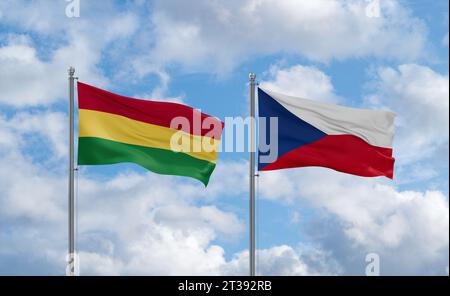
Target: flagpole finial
point(71, 71)
point(252, 76)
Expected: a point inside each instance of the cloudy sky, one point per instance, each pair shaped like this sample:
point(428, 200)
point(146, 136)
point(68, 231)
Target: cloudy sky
point(311, 221)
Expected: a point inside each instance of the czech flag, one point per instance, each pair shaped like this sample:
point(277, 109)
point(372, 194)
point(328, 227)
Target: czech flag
point(310, 133)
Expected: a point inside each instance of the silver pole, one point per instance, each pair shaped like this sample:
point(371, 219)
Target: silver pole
point(71, 255)
point(252, 78)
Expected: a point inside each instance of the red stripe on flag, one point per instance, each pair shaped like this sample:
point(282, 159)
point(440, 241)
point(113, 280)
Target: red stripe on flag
point(153, 112)
point(343, 153)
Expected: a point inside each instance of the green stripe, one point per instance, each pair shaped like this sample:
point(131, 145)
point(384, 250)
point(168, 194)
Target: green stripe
point(98, 151)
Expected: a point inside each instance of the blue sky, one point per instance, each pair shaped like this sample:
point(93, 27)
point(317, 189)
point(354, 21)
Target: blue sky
point(385, 54)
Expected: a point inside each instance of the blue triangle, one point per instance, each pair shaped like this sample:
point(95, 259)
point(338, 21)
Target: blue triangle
point(293, 132)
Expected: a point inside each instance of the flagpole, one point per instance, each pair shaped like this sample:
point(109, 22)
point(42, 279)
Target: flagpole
point(71, 254)
point(252, 250)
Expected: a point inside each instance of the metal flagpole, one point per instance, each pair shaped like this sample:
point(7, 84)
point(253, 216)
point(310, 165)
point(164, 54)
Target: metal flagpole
point(252, 78)
point(71, 255)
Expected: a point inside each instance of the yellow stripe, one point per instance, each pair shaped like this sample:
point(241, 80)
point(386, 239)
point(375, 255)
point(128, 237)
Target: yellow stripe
point(123, 129)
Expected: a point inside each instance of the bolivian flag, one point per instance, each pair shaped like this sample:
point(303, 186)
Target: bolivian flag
point(165, 138)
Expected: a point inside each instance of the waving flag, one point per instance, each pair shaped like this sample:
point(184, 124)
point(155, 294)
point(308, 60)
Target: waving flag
point(114, 129)
point(310, 133)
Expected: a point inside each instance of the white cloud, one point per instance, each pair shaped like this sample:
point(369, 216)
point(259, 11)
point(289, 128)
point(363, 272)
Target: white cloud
point(182, 217)
point(218, 36)
point(27, 80)
point(161, 236)
point(420, 97)
point(285, 260)
point(25, 190)
point(49, 18)
point(374, 216)
point(274, 261)
point(159, 93)
point(27, 193)
point(103, 33)
point(301, 81)
point(156, 248)
point(48, 125)
point(19, 63)
point(33, 74)
point(33, 15)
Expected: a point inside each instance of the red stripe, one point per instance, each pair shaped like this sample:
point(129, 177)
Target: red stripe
point(153, 112)
point(343, 153)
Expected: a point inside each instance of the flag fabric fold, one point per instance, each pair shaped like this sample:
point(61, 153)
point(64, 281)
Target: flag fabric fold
point(311, 133)
point(115, 129)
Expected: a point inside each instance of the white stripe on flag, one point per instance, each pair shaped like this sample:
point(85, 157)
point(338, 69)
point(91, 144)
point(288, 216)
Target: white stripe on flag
point(373, 126)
